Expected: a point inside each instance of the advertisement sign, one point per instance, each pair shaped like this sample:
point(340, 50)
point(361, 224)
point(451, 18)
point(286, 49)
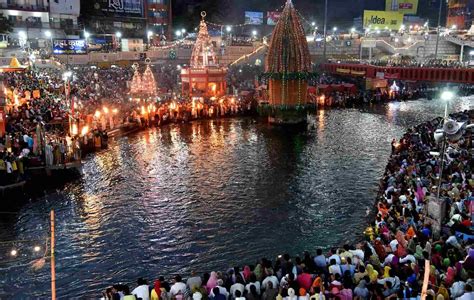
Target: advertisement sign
point(382, 19)
point(69, 46)
point(120, 7)
point(273, 17)
point(409, 7)
point(254, 17)
point(456, 14)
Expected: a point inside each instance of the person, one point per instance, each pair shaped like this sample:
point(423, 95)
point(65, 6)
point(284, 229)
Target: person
point(216, 295)
point(222, 290)
point(468, 294)
point(334, 268)
point(270, 291)
point(178, 287)
point(304, 280)
point(253, 293)
point(238, 295)
point(127, 295)
point(237, 286)
point(320, 260)
point(194, 281)
point(155, 293)
point(211, 282)
point(270, 278)
point(142, 290)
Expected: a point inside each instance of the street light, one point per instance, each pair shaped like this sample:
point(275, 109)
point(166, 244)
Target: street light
point(228, 28)
point(254, 33)
point(118, 34)
point(334, 29)
point(86, 35)
point(178, 33)
point(48, 34)
point(353, 29)
point(183, 31)
point(313, 24)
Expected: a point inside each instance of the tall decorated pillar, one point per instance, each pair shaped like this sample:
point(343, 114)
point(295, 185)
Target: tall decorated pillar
point(287, 69)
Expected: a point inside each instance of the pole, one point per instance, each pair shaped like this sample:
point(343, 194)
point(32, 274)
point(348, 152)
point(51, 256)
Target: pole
point(325, 28)
point(439, 28)
point(461, 55)
point(53, 265)
point(441, 153)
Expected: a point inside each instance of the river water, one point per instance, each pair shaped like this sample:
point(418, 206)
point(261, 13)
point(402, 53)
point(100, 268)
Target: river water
point(206, 196)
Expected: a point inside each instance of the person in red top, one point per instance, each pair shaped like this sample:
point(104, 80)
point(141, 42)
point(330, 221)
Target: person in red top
point(305, 279)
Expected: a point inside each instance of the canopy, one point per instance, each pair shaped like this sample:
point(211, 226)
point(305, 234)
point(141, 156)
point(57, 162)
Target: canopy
point(14, 66)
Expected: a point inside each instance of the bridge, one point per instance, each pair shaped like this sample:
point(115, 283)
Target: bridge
point(454, 75)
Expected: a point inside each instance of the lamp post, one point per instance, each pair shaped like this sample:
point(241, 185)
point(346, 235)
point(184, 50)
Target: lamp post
point(69, 100)
point(49, 35)
point(446, 96)
point(325, 28)
point(118, 35)
point(438, 28)
point(149, 35)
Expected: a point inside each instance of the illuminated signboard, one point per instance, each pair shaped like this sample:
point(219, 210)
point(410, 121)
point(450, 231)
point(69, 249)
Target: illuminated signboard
point(254, 17)
point(120, 7)
point(68, 46)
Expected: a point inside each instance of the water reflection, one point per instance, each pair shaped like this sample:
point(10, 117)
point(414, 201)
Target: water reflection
point(209, 195)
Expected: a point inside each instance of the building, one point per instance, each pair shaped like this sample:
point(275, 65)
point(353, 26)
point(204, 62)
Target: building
point(35, 22)
point(159, 17)
point(108, 17)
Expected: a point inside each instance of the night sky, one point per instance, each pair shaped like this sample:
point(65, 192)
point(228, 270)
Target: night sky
point(340, 12)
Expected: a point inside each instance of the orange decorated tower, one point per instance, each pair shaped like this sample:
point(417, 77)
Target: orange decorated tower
point(287, 69)
point(204, 77)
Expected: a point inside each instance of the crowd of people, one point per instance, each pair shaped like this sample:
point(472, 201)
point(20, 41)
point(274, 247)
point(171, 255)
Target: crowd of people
point(390, 263)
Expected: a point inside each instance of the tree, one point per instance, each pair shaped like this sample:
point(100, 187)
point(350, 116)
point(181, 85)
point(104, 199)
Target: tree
point(6, 25)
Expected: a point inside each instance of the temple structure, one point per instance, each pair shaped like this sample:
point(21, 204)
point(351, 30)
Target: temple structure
point(287, 68)
point(204, 77)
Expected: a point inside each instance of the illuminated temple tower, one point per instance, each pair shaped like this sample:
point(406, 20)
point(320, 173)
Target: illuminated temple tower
point(287, 68)
point(204, 77)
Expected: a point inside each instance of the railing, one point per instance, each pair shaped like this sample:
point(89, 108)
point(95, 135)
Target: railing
point(458, 41)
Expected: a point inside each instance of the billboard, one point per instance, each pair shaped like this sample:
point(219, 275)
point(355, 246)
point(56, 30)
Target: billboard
point(273, 17)
point(457, 13)
point(254, 17)
point(120, 7)
point(409, 7)
point(382, 19)
point(69, 46)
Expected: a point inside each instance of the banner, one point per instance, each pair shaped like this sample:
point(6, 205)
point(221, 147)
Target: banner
point(456, 14)
point(68, 46)
point(383, 19)
point(132, 8)
point(273, 17)
point(409, 7)
point(254, 17)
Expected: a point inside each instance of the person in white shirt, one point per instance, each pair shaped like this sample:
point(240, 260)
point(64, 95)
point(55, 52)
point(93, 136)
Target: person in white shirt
point(178, 287)
point(334, 256)
point(237, 286)
point(409, 258)
point(270, 278)
point(194, 281)
point(468, 294)
point(222, 290)
point(142, 290)
point(334, 268)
